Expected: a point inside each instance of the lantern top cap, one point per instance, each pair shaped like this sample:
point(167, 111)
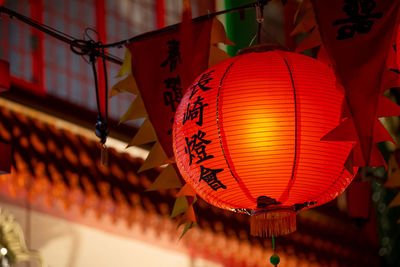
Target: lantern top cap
point(262, 48)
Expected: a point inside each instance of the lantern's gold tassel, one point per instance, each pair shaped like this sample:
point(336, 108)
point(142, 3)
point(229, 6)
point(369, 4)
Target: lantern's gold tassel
point(273, 223)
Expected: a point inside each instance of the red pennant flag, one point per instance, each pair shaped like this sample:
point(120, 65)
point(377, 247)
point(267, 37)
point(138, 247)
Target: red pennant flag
point(357, 36)
point(164, 65)
point(398, 47)
point(4, 76)
point(102, 34)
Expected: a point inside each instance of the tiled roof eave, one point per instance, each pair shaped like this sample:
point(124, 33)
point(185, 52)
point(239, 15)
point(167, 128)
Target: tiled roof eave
point(60, 167)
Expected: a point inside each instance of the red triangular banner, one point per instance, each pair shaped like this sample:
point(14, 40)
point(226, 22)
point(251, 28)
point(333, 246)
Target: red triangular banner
point(164, 65)
point(344, 132)
point(358, 50)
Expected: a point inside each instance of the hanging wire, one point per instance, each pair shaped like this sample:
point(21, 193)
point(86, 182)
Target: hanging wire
point(273, 243)
point(200, 18)
point(275, 259)
point(81, 47)
point(253, 39)
point(96, 83)
point(87, 47)
point(77, 46)
point(101, 128)
point(260, 20)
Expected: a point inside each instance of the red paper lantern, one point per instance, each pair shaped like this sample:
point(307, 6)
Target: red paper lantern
point(247, 137)
point(4, 76)
point(359, 200)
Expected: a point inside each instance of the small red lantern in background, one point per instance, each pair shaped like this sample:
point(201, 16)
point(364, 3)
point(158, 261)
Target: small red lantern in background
point(359, 200)
point(4, 76)
point(247, 138)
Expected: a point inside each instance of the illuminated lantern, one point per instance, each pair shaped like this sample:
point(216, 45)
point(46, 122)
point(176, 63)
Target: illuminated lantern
point(247, 138)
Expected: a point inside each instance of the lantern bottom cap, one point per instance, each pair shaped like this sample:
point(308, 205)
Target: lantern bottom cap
point(267, 223)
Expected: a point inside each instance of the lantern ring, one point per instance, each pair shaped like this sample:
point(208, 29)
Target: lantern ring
point(272, 208)
point(245, 211)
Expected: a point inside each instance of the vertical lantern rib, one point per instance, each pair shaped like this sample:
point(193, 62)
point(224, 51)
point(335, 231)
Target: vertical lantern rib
point(241, 184)
point(218, 121)
point(295, 120)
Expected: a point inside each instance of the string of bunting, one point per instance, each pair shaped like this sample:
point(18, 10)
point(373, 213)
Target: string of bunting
point(172, 75)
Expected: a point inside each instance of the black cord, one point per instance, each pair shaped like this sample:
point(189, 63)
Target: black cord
point(106, 85)
point(96, 83)
point(172, 27)
point(101, 128)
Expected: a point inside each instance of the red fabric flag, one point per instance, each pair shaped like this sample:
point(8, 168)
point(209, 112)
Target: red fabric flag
point(357, 36)
point(1, 2)
point(398, 46)
point(164, 65)
point(4, 76)
point(102, 33)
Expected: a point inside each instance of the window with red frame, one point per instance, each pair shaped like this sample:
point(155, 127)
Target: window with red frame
point(21, 45)
point(42, 64)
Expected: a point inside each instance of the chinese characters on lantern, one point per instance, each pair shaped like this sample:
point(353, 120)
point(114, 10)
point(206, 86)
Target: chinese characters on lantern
point(173, 91)
point(202, 83)
point(195, 111)
point(361, 17)
point(196, 145)
point(210, 177)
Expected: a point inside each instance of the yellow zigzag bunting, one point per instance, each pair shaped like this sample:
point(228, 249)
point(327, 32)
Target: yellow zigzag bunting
point(135, 111)
point(167, 179)
point(145, 135)
point(156, 158)
point(126, 67)
point(127, 85)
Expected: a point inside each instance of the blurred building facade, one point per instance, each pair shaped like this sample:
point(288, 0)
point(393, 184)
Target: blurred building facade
point(77, 212)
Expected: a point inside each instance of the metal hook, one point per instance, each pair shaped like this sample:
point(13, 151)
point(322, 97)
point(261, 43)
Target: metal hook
point(259, 12)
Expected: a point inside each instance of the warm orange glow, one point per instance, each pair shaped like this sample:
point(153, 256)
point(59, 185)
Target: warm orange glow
point(263, 117)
